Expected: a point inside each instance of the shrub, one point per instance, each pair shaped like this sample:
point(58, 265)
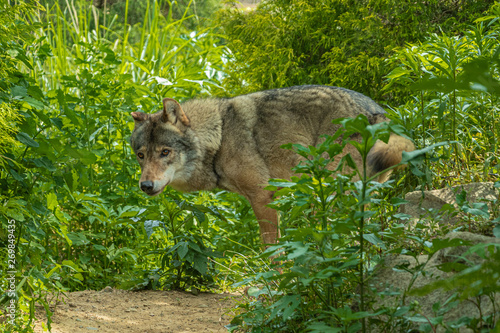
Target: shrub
point(335, 42)
point(454, 84)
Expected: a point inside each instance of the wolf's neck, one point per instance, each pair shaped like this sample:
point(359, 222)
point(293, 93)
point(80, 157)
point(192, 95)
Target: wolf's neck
point(206, 132)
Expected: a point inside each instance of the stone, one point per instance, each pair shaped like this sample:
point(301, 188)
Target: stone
point(393, 282)
point(421, 203)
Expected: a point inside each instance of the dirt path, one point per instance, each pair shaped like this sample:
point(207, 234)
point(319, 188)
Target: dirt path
point(111, 311)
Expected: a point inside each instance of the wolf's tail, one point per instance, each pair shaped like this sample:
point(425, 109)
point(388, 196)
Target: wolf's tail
point(384, 155)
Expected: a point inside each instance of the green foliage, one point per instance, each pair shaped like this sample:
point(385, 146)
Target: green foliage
point(199, 12)
point(13, 34)
point(326, 235)
point(454, 84)
point(337, 42)
point(159, 54)
point(137, 11)
point(187, 262)
point(69, 182)
point(332, 241)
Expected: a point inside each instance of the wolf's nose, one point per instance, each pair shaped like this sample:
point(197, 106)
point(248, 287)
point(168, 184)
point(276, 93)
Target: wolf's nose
point(147, 186)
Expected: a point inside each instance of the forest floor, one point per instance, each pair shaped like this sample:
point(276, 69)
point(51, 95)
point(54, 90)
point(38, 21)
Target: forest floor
point(111, 311)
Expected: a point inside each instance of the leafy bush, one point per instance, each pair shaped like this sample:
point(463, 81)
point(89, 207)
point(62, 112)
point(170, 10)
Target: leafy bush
point(341, 43)
point(335, 232)
point(454, 84)
point(320, 284)
point(189, 255)
point(324, 244)
point(69, 77)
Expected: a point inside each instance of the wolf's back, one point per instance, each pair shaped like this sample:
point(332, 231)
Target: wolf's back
point(345, 102)
point(313, 107)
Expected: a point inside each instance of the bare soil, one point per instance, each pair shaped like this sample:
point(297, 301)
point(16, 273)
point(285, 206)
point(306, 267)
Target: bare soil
point(111, 311)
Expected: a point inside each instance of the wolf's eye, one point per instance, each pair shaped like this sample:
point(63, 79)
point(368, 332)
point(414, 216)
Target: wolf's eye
point(140, 155)
point(165, 152)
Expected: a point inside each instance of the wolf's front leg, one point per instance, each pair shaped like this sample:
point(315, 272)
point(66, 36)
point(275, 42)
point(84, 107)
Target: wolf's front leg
point(267, 217)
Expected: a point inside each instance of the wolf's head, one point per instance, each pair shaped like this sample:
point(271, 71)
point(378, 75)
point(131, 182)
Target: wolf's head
point(162, 147)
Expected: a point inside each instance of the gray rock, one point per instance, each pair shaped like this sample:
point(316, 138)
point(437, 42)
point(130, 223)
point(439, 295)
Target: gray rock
point(421, 203)
point(395, 282)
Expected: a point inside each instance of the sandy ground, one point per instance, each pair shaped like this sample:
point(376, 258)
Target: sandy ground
point(112, 311)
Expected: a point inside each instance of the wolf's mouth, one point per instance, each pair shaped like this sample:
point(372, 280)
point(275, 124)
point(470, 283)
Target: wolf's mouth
point(155, 193)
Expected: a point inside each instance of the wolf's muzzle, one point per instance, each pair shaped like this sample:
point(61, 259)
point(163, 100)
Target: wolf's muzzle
point(147, 186)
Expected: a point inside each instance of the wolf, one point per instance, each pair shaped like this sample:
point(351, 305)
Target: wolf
point(235, 143)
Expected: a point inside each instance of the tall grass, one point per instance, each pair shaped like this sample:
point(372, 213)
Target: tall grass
point(159, 52)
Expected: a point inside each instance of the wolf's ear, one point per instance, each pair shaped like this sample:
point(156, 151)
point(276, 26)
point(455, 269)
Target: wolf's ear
point(172, 112)
point(139, 118)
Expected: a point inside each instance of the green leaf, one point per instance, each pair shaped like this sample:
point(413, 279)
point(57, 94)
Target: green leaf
point(34, 103)
point(496, 231)
point(71, 264)
point(57, 121)
point(182, 250)
point(200, 263)
point(372, 238)
point(439, 244)
point(478, 209)
point(418, 319)
point(26, 139)
point(200, 216)
point(99, 247)
point(44, 162)
point(409, 156)
point(401, 311)
point(16, 176)
point(84, 156)
point(52, 201)
point(15, 214)
point(19, 92)
point(299, 250)
point(286, 305)
point(149, 226)
point(281, 183)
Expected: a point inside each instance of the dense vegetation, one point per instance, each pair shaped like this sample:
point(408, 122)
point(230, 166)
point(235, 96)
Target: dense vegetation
point(341, 43)
point(73, 217)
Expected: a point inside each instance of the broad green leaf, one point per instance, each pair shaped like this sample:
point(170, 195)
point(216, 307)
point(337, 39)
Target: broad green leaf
point(44, 162)
point(52, 201)
point(372, 238)
point(26, 139)
point(182, 250)
point(18, 92)
point(82, 155)
point(34, 103)
point(149, 226)
point(200, 263)
point(496, 231)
